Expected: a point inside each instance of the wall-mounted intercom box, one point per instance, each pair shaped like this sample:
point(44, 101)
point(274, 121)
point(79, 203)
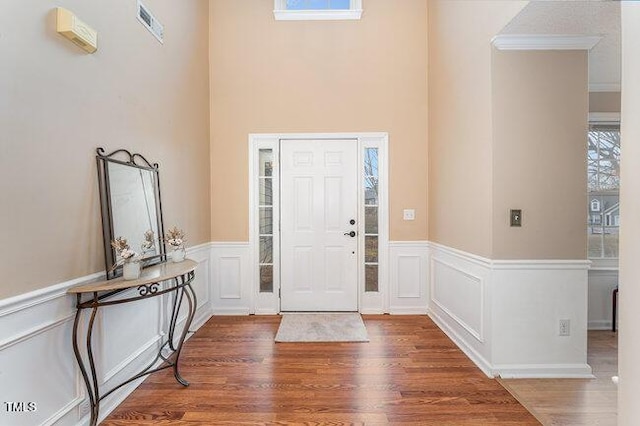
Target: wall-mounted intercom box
point(75, 30)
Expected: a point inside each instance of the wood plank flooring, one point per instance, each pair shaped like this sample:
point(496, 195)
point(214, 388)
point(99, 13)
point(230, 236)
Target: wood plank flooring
point(410, 373)
point(576, 401)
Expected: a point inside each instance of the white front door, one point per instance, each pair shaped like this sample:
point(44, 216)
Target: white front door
point(318, 199)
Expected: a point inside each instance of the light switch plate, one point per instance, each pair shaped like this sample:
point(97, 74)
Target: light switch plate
point(516, 217)
point(409, 214)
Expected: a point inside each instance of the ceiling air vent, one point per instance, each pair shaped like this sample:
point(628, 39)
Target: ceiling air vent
point(150, 22)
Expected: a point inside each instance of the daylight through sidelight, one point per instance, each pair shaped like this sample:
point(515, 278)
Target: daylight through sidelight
point(371, 210)
point(265, 215)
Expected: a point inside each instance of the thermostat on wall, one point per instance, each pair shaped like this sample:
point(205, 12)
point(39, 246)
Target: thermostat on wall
point(75, 30)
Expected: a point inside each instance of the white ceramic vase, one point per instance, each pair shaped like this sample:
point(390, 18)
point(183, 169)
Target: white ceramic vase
point(131, 270)
point(178, 254)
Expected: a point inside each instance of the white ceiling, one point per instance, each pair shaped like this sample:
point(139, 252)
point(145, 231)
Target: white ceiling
point(578, 17)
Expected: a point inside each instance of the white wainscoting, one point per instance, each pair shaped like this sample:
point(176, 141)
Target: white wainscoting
point(601, 285)
point(460, 301)
point(36, 356)
point(409, 277)
point(504, 314)
point(529, 298)
point(231, 283)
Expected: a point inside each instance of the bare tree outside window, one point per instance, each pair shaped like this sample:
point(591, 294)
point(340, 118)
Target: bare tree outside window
point(603, 181)
point(371, 181)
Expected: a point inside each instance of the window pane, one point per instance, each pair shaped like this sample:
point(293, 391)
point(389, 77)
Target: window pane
point(266, 220)
point(370, 220)
point(603, 177)
point(370, 249)
point(266, 162)
point(610, 242)
point(266, 191)
point(370, 277)
point(595, 244)
point(266, 249)
point(266, 279)
point(318, 4)
point(371, 162)
point(371, 191)
point(340, 4)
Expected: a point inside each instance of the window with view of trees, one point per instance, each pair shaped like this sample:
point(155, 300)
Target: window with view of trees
point(603, 177)
point(371, 180)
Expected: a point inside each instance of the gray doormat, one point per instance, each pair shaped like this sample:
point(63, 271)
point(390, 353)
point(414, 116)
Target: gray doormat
point(330, 327)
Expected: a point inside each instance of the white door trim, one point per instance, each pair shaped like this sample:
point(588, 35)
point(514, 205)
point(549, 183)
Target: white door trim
point(368, 302)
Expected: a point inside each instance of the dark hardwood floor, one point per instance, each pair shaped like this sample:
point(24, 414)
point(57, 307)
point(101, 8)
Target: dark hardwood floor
point(410, 373)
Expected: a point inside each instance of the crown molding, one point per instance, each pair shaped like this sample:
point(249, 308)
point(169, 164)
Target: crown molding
point(544, 42)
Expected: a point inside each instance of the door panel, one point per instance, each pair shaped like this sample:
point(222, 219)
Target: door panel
point(319, 269)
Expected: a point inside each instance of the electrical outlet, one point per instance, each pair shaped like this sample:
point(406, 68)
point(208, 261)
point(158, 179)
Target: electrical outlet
point(564, 327)
point(84, 408)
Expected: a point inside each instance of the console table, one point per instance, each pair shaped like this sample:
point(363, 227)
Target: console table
point(154, 281)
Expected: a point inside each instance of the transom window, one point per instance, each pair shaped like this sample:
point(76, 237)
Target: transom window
point(603, 177)
point(317, 9)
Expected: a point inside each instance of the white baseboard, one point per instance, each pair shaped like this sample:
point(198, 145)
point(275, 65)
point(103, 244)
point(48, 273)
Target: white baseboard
point(600, 325)
point(545, 371)
point(36, 341)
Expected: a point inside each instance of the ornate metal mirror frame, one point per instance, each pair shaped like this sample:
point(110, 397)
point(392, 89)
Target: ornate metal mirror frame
point(130, 205)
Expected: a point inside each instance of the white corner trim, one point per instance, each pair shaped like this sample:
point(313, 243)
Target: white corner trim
point(604, 117)
point(605, 87)
point(544, 42)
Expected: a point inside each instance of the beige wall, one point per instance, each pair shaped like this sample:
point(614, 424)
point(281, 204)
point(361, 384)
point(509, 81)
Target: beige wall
point(57, 104)
point(460, 133)
point(540, 105)
point(323, 76)
point(604, 102)
point(629, 296)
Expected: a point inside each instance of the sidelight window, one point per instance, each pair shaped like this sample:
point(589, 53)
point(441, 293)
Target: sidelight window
point(371, 214)
point(265, 219)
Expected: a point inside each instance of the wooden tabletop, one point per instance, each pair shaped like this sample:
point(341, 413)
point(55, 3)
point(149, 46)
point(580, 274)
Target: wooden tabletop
point(152, 274)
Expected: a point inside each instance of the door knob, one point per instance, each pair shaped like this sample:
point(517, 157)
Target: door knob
point(351, 234)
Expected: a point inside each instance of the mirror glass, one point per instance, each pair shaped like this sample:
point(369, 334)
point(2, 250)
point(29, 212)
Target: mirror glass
point(130, 201)
point(133, 207)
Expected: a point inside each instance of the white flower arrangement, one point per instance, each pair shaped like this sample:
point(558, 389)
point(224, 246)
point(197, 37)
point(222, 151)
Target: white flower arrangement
point(149, 241)
point(175, 238)
point(123, 251)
